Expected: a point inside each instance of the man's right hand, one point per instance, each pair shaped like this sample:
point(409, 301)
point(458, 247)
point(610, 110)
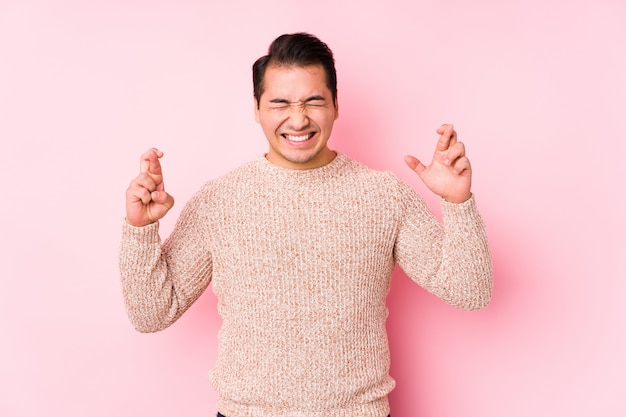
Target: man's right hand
point(146, 199)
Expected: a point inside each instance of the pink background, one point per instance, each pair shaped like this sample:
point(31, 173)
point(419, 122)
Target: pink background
point(536, 89)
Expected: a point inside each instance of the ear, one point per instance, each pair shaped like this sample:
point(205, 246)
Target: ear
point(336, 107)
point(256, 111)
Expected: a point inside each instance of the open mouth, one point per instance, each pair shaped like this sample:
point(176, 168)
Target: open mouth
point(298, 138)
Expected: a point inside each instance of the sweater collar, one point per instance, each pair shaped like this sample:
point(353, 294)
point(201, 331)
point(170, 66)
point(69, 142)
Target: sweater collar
point(329, 168)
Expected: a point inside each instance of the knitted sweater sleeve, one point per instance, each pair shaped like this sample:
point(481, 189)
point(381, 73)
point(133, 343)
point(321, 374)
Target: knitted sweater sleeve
point(160, 282)
point(451, 260)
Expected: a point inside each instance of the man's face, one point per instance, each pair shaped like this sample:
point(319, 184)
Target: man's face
point(297, 112)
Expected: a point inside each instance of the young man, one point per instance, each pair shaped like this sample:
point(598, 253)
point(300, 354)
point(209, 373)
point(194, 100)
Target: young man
point(300, 245)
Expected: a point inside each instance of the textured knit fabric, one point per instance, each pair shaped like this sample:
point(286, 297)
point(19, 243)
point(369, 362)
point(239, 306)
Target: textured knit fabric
point(300, 262)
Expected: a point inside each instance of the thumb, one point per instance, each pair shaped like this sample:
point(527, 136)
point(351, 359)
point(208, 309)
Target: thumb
point(163, 198)
point(415, 165)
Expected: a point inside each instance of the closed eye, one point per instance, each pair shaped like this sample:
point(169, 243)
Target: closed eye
point(315, 101)
point(279, 103)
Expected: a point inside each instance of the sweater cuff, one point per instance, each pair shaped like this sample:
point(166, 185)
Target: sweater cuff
point(467, 208)
point(140, 234)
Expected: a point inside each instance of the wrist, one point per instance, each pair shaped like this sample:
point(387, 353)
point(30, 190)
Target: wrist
point(136, 224)
point(460, 199)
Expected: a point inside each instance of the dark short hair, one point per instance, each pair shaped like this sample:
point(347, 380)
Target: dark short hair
point(299, 49)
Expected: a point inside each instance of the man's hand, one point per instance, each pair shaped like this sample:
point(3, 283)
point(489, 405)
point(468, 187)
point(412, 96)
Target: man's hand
point(146, 199)
point(449, 175)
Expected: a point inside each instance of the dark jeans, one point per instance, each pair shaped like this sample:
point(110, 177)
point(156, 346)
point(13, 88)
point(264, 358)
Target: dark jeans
point(222, 415)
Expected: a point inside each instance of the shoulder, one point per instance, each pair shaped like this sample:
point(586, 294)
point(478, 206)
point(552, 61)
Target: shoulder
point(384, 187)
point(237, 177)
point(363, 174)
point(217, 192)
point(354, 168)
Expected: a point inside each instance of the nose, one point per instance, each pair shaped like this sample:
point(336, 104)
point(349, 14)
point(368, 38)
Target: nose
point(298, 118)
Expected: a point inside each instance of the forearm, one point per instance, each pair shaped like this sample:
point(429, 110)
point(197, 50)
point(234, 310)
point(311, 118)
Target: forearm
point(465, 276)
point(147, 290)
point(159, 284)
point(450, 260)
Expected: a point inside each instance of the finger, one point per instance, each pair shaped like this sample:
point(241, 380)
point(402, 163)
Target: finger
point(446, 138)
point(136, 193)
point(143, 194)
point(453, 136)
point(454, 152)
point(443, 127)
point(144, 160)
point(461, 164)
point(146, 181)
point(149, 161)
point(415, 165)
point(163, 198)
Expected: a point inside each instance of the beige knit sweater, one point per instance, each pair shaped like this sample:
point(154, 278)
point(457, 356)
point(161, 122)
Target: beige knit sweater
point(300, 262)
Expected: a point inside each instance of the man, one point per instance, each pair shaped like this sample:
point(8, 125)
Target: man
point(300, 245)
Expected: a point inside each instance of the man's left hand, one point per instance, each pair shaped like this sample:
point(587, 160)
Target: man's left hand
point(449, 175)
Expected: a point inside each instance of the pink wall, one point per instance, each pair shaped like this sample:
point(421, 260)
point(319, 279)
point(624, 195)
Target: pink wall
point(536, 92)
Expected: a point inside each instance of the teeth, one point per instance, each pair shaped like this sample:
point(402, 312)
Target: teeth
point(298, 138)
